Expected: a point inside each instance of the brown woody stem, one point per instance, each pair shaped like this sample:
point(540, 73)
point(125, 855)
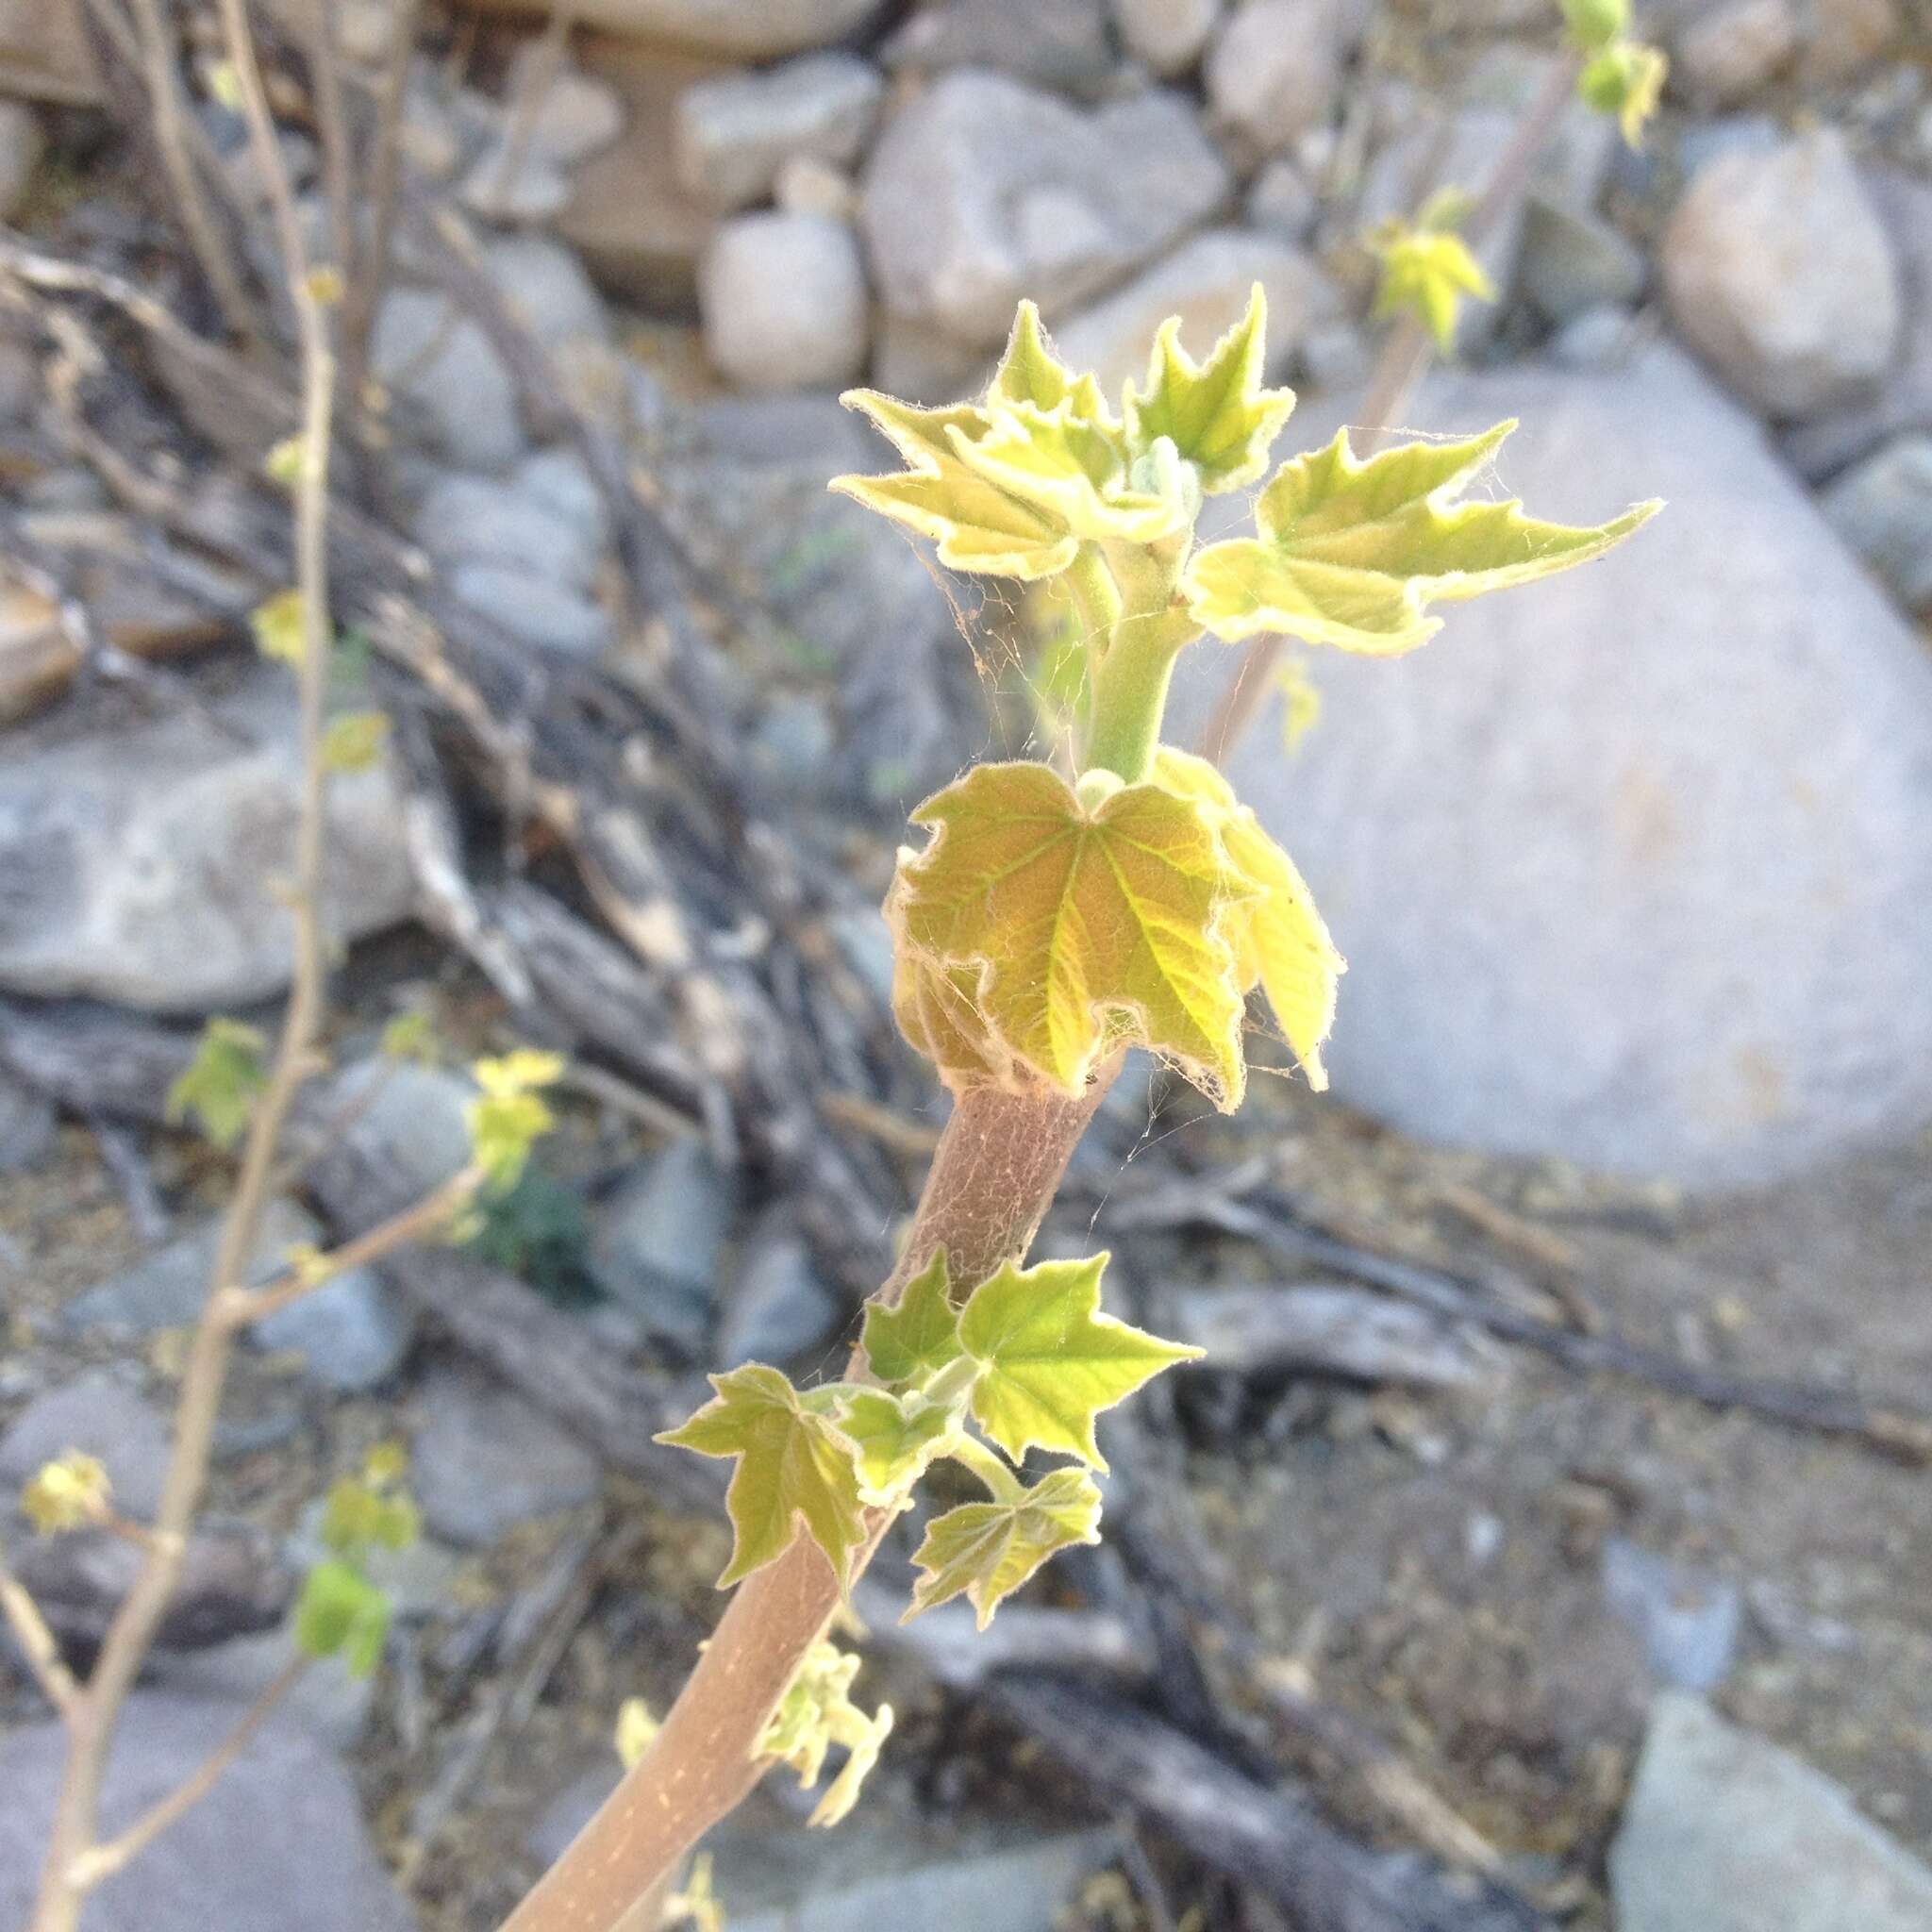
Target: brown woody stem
point(991, 1181)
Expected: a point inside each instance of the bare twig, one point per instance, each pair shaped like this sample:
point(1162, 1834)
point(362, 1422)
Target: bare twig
point(92, 1715)
point(545, 64)
point(104, 1860)
point(36, 1641)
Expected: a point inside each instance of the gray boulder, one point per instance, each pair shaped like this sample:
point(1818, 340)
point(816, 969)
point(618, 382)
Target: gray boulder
point(749, 29)
point(455, 393)
point(543, 612)
point(1166, 36)
point(279, 1845)
point(982, 190)
point(483, 1460)
point(1631, 867)
point(1725, 1832)
point(1062, 44)
point(505, 523)
point(659, 1240)
point(22, 143)
point(137, 863)
point(1779, 274)
point(27, 1125)
point(547, 286)
point(1882, 507)
point(1274, 72)
point(732, 135)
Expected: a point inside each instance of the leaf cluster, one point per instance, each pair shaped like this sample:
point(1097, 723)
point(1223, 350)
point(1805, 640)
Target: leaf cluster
point(1427, 269)
point(218, 1088)
point(1620, 76)
point(342, 1611)
point(509, 1116)
point(69, 1493)
point(1028, 1362)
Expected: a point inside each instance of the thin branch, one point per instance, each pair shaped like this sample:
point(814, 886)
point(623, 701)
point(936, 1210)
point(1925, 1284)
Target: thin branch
point(332, 124)
point(1398, 369)
point(104, 1860)
point(240, 1306)
point(539, 77)
point(154, 54)
point(35, 1641)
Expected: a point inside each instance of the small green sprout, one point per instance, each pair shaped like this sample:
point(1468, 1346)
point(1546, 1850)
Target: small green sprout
point(509, 1116)
point(1427, 269)
point(71, 1491)
point(219, 1086)
point(342, 1610)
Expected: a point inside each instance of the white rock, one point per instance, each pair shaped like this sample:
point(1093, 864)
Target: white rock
point(1166, 36)
point(1205, 281)
point(981, 191)
point(783, 301)
point(1725, 56)
point(464, 517)
point(749, 29)
point(1063, 46)
point(1778, 273)
point(1572, 849)
point(1882, 507)
point(504, 184)
point(730, 136)
point(140, 864)
point(1276, 69)
point(1725, 1832)
point(1281, 201)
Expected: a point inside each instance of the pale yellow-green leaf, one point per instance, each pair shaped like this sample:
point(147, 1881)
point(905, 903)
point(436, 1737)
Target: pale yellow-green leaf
point(862, 1754)
point(976, 524)
point(1030, 371)
point(1281, 943)
point(1427, 270)
point(1352, 551)
point(354, 742)
point(1050, 1361)
point(1072, 471)
point(1088, 927)
point(341, 1613)
point(1216, 413)
point(935, 1008)
point(69, 1492)
point(987, 1550)
point(794, 1468)
point(907, 1345)
point(895, 1436)
point(635, 1730)
point(817, 1713)
point(1594, 23)
point(1626, 79)
point(218, 1088)
point(280, 627)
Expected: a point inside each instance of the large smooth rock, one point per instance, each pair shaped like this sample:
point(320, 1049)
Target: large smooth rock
point(982, 190)
point(1166, 36)
point(455, 395)
point(279, 1845)
point(1062, 44)
point(1273, 73)
point(1206, 282)
point(1778, 273)
point(1725, 1832)
point(784, 303)
point(732, 135)
point(1883, 508)
point(139, 861)
point(485, 1460)
point(1632, 866)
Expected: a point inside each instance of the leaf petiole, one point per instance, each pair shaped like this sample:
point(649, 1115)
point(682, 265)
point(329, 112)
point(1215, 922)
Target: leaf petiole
point(978, 1460)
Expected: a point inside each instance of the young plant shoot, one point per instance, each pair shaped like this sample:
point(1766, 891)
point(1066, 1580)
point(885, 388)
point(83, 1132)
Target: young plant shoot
point(1048, 920)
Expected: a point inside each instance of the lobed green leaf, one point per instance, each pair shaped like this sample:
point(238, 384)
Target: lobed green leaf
point(1216, 414)
point(218, 1088)
point(906, 1345)
point(341, 1613)
point(1050, 1361)
point(796, 1467)
point(986, 1551)
point(1351, 552)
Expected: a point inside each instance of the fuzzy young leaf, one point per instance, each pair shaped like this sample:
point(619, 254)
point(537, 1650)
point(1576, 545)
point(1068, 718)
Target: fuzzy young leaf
point(1050, 1361)
point(816, 1713)
point(69, 1492)
point(907, 1344)
point(795, 1466)
point(1427, 269)
point(1030, 371)
point(977, 525)
point(280, 627)
point(1626, 79)
point(896, 1439)
point(636, 1730)
point(1088, 928)
point(987, 1550)
point(508, 1117)
point(1216, 413)
point(1351, 552)
point(340, 1613)
point(1281, 943)
point(1076, 470)
point(218, 1087)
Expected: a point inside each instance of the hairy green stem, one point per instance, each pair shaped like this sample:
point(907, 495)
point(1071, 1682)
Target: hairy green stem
point(1130, 692)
